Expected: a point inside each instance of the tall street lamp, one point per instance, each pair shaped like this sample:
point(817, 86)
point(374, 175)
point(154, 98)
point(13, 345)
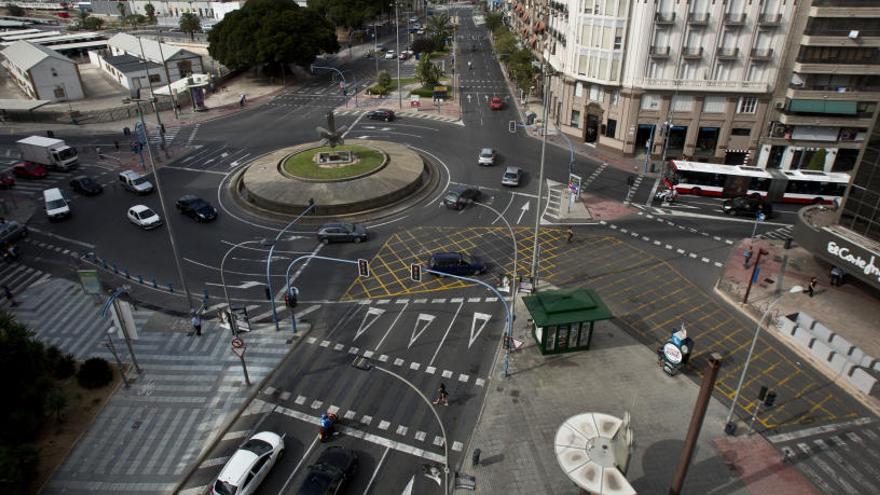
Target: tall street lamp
point(223, 263)
point(540, 181)
point(397, 44)
point(729, 426)
point(168, 221)
point(269, 263)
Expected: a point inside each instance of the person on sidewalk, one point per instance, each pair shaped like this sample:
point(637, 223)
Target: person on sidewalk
point(241, 99)
point(811, 287)
point(443, 396)
point(836, 276)
point(569, 235)
point(9, 297)
point(747, 256)
point(197, 324)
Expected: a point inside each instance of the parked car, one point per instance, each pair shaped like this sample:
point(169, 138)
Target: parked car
point(390, 54)
point(487, 156)
point(135, 182)
point(196, 208)
point(456, 263)
point(11, 231)
point(328, 475)
point(86, 185)
point(381, 114)
point(496, 103)
point(6, 181)
point(342, 232)
point(144, 217)
point(459, 197)
point(249, 465)
point(747, 205)
point(28, 170)
point(511, 177)
point(57, 206)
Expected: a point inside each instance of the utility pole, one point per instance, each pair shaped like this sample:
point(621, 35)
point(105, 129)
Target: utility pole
point(540, 182)
point(397, 44)
point(168, 80)
point(152, 99)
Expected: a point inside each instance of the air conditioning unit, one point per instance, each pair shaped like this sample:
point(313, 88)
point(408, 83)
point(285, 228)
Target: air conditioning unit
point(780, 105)
point(853, 35)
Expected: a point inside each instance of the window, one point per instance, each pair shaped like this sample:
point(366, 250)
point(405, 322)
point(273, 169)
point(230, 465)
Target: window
point(595, 93)
point(740, 131)
point(650, 102)
point(615, 97)
point(155, 78)
point(682, 103)
point(59, 92)
point(610, 128)
point(747, 104)
point(578, 89)
point(575, 119)
point(714, 104)
point(618, 42)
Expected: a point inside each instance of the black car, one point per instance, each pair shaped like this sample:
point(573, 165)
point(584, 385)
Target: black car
point(747, 205)
point(342, 232)
point(196, 208)
point(327, 476)
point(459, 197)
point(381, 114)
point(456, 264)
point(86, 185)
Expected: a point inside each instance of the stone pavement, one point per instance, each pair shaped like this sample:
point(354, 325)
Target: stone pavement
point(522, 413)
point(148, 436)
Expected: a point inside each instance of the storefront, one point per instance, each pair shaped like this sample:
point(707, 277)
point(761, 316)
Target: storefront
point(562, 320)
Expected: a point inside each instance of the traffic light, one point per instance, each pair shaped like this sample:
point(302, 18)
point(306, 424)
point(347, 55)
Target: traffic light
point(415, 272)
point(762, 393)
point(770, 399)
point(363, 268)
point(511, 126)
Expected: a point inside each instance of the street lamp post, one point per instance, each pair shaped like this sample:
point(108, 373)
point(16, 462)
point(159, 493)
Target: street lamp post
point(729, 426)
point(162, 201)
point(223, 263)
point(153, 99)
point(269, 263)
point(397, 44)
point(540, 183)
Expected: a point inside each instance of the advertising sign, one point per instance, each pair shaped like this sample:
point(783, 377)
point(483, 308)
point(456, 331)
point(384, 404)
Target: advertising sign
point(89, 281)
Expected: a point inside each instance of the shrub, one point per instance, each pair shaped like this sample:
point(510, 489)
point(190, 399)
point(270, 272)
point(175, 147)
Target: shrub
point(94, 373)
point(18, 466)
point(65, 367)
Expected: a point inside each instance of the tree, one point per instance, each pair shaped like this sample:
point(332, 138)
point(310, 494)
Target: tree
point(94, 373)
point(427, 72)
point(137, 20)
point(121, 8)
point(494, 20)
point(23, 407)
point(423, 45)
point(14, 10)
point(190, 23)
point(57, 403)
point(505, 44)
point(151, 12)
point(18, 467)
point(348, 13)
point(383, 78)
point(93, 23)
point(271, 32)
point(521, 69)
point(440, 27)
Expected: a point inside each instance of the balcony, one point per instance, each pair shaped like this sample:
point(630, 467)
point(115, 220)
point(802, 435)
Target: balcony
point(762, 54)
point(659, 52)
point(664, 18)
point(770, 20)
point(734, 20)
point(698, 18)
point(728, 53)
point(692, 52)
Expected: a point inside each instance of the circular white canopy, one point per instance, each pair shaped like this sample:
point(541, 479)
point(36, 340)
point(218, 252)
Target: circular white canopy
point(592, 448)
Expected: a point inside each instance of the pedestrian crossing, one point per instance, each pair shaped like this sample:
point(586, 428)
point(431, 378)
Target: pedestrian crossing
point(426, 115)
point(19, 277)
point(35, 187)
point(781, 234)
point(170, 134)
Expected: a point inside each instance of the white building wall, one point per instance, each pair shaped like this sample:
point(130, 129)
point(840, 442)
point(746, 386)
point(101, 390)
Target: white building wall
point(168, 13)
point(52, 74)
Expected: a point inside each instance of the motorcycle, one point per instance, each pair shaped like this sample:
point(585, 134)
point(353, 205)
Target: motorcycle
point(326, 430)
point(11, 254)
point(666, 195)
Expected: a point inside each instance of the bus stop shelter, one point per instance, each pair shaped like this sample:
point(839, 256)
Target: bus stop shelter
point(562, 320)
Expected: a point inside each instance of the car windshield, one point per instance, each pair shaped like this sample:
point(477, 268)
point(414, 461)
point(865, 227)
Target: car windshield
point(139, 181)
point(67, 153)
point(486, 153)
point(224, 488)
point(510, 175)
point(87, 181)
point(452, 196)
point(257, 446)
point(146, 213)
point(55, 204)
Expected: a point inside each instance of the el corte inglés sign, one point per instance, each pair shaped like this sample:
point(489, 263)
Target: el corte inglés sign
point(866, 266)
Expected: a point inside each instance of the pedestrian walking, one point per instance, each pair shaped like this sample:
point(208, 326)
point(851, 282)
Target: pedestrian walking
point(197, 324)
point(9, 297)
point(811, 288)
point(241, 98)
point(442, 396)
point(116, 145)
point(836, 276)
point(98, 151)
point(569, 235)
point(747, 256)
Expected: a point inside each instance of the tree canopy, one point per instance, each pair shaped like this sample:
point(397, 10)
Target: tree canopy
point(190, 24)
point(271, 32)
point(347, 13)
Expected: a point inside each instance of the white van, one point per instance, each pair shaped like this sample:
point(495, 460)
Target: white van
point(57, 206)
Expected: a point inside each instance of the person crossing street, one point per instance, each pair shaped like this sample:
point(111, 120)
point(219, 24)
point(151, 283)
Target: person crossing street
point(442, 396)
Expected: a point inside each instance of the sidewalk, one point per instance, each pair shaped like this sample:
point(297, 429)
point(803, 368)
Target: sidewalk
point(521, 414)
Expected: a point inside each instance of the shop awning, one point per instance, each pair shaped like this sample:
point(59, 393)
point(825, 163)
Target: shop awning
point(823, 106)
point(560, 307)
point(539, 26)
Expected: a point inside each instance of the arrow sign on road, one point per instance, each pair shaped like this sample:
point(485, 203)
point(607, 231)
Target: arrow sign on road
point(246, 285)
point(427, 319)
point(407, 490)
point(524, 209)
point(375, 313)
point(483, 318)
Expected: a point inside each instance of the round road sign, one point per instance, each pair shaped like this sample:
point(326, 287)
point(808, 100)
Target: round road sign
point(237, 343)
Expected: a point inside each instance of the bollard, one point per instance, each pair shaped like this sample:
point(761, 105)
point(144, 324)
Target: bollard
point(170, 287)
point(115, 270)
point(788, 243)
point(125, 272)
point(141, 279)
point(475, 459)
point(155, 285)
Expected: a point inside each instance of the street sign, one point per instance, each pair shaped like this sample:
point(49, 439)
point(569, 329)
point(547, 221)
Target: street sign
point(89, 281)
point(760, 216)
point(363, 268)
point(238, 346)
point(242, 323)
point(574, 184)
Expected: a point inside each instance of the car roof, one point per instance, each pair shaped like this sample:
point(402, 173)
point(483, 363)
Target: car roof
point(269, 437)
point(486, 150)
point(513, 170)
point(130, 173)
point(189, 197)
point(139, 208)
point(237, 467)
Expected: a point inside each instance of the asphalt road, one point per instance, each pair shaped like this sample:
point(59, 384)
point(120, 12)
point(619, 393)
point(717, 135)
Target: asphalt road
point(655, 268)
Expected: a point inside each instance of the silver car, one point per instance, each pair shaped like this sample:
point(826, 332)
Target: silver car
point(511, 176)
point(487, 157)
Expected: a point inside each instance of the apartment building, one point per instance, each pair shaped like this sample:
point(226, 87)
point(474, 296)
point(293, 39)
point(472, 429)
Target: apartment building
point(828, 88)
point(688, 80)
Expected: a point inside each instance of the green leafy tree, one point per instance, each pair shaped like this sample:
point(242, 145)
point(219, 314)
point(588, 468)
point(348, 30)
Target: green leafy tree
point(505, 45)
point(93, 23)
point(137, 20)
point(57, 403)
point(423, 45)
point(14, 10)
point(494, 20)
point(348, 13)
point(271, 32)
point(428, 73)
point(440, 28)
point(521, 69)
point(150, 10)
point(383, 78)
point(94, 373)
point(190, 24)
point(18, 467)
point(121, 8)
point(23, 361)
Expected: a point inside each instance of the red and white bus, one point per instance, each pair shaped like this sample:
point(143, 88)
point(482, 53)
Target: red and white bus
point(788, 186)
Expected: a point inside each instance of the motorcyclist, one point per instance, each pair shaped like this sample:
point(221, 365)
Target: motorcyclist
point(326, 421)
point(469, 65)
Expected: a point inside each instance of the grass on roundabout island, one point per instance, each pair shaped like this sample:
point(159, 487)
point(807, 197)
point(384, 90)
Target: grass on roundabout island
point(302, 164)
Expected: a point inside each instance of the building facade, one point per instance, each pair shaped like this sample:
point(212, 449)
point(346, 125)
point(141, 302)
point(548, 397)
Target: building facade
point(178, 62)
point(41, 73)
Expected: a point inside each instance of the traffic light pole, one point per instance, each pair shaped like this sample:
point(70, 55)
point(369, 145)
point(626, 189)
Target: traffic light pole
point(269, 263)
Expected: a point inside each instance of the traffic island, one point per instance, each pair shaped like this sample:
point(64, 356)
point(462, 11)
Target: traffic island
point(342, 180)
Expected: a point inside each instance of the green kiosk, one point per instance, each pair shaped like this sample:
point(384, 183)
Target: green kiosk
point(562, 320)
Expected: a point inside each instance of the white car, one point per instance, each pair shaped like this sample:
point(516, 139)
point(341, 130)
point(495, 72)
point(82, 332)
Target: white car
point(144, 217)
point(249, 465)
point(487, 157)
point(390, 54)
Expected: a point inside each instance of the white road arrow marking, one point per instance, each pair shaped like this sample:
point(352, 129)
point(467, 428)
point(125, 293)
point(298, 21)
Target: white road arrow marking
point(209, 161)
point(484, 318)
point(375, 313)
point(245, 285)
point(294, 237)
point(408, 489)
point(523, 211)
point(224, 154)
point(427, 319)
point(363, 137)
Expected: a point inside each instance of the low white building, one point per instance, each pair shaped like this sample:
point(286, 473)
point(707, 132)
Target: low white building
point(129, 71)
point(42, 73)
point(179, 62)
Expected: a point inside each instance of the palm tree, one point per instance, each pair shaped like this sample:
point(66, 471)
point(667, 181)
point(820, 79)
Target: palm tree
point(440, 27)
point(57, 402)
point(151, 12)
point(190, 23)
point(121, 8)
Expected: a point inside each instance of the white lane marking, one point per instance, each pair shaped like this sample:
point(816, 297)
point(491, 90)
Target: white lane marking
point(451, 322)
point(376, 471)
point(500, 215)
point(389, 328)
point(62, 238)
point(375, 313)
point(198, 170)
point(818, 430)
point(483, 318)
point(301, 461)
